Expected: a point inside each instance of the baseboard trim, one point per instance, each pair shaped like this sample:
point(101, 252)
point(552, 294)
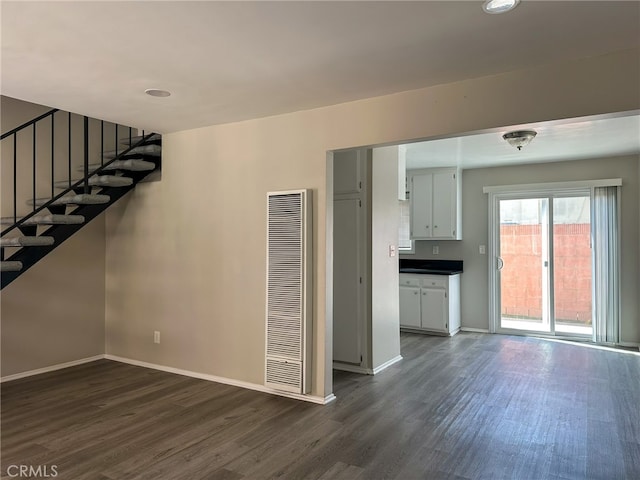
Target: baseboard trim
point(387, 364)
point(52, 368)
point(224, 380)
point(475, 330)
point(329, 399)
point(345, 367)
point(630, 344)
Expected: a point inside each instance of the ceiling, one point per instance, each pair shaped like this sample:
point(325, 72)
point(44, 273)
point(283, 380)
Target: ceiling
point(577, 139)
point(231, 61)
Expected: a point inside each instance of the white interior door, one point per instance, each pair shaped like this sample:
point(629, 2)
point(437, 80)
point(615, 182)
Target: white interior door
point(347, 268)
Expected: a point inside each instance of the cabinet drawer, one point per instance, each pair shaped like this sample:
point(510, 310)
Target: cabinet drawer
point(410, 281)
point(435, 281)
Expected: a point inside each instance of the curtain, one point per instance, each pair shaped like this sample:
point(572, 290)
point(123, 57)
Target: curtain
point(606, 268)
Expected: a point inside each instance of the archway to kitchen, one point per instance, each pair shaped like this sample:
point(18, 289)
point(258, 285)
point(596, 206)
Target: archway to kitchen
point(507, 167)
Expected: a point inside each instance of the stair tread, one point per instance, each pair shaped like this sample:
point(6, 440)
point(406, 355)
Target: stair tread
point(10, 266)
point(131, 164)
point(27, 241)
point(100, 181)
point(79, 199)
point(136, 138)
point(152, 150)
point(49, 219)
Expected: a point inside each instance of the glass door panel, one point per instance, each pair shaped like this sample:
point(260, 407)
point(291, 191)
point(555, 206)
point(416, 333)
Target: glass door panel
point(524, 258)
point(572, 269)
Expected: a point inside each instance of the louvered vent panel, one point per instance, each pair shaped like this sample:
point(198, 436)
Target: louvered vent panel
point(284, 373)
point(287, 283)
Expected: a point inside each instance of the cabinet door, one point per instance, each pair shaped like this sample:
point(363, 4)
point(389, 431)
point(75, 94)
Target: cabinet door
point(347, 172)
point(444, 205)
point(421, 205)
point(410, 307)
point(434, 308)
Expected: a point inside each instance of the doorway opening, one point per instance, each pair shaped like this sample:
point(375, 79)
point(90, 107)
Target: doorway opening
point(556, 263)
point(545, 263)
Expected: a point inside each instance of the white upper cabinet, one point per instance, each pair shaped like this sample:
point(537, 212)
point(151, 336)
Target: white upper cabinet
point(421, 196)
point(436, 204)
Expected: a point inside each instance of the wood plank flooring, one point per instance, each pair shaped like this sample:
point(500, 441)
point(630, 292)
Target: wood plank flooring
point(473, 406)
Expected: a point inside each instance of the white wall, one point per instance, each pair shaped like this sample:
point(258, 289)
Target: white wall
point(54, 313)
point(475, 289)
point(385, 314)
point(186, 255)
point(17, 112)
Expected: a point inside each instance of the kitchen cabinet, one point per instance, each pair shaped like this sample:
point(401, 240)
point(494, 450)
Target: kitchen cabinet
point(410, 313)
point(435, 203)
point(433, 309)
point(430, 303)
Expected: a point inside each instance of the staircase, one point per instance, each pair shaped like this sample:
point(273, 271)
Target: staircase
point(86, 191)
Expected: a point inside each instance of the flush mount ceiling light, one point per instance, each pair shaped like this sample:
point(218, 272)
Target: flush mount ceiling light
point(519, 138)
point(154, 92)
point(499, 6)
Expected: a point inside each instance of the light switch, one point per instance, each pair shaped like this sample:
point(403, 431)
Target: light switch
point(483, 249)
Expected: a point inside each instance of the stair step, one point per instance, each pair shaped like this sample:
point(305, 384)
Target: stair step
point(26, 241)
point(100, 181)
point(131, 164)
point(135, 139)
point(80, 199)
point(47, 220)
point(10, 266)
point(151, 150)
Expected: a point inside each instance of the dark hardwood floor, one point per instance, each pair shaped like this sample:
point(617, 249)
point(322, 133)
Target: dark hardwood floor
point(473, 406)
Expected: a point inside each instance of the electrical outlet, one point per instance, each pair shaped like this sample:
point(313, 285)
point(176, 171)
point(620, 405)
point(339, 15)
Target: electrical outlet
point(156, 337)
point(436, 249)
point(483, 249)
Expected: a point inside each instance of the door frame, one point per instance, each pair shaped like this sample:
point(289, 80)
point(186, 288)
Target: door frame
point(362, 195)
point(544, 190)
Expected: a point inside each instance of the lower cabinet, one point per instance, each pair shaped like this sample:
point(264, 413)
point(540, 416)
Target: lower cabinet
point(410, 306)
point(430, 303)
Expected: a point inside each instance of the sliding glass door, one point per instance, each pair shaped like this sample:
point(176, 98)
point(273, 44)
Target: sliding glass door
point(572, 265)
point(544, 263)
point(523, 264)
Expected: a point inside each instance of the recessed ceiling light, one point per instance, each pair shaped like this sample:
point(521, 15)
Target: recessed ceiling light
point(154, 92)
point(499, 6)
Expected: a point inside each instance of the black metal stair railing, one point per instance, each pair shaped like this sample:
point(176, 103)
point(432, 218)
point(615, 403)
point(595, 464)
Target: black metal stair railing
point(14, 135)
point(19, 223)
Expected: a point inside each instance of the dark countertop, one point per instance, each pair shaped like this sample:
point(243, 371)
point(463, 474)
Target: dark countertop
point(430, 267)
